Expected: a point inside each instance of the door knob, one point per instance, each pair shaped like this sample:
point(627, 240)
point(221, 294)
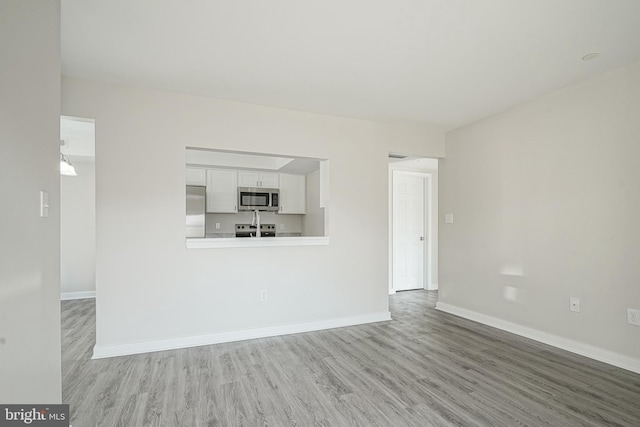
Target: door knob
point(421, 237)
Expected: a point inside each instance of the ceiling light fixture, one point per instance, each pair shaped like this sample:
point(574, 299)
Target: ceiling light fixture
point(590, 56)
point(66, 168)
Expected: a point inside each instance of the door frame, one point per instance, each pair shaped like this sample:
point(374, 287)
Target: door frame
point(427, 244)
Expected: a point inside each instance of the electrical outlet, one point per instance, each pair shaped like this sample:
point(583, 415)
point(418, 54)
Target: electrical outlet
point(281, 226)
point(633, 316)
point(217, 226)
point(263, 295)
point(448, 218)
point(574, 304)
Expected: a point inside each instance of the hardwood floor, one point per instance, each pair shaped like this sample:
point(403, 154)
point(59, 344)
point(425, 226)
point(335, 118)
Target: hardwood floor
point(424, 368)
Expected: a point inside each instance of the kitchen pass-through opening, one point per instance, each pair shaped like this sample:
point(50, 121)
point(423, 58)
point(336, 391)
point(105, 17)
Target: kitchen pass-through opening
point(232, 194)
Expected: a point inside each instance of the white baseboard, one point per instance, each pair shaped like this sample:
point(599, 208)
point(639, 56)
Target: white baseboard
point(606, 356)
point(432, 287)
point(77, 295)
point(103, 351)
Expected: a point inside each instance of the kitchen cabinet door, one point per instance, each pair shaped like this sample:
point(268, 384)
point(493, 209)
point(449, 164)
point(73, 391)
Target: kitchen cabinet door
point(222, 191)
point(269, 180)
point(248, 179)
point(196, 176)
point(257, 179)
point(293, 194)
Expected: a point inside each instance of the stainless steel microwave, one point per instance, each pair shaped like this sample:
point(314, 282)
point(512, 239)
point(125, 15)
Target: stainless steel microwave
point(260, 199)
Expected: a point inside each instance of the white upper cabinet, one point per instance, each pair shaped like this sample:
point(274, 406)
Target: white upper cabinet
point(257, 179)
point(222, 191)
point(196, 176)
point(269, 180)
point(248, 179)
point(293, 194)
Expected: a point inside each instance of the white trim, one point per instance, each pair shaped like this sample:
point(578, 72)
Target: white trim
point(602, 355)
point(64, 296)
point(232, 242)
point(428, 208)
point(103, 351)
point(432, 287)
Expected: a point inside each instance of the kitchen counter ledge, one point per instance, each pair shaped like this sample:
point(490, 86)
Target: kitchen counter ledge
point(255, 242)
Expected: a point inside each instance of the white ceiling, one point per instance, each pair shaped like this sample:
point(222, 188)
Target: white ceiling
point(253, 161)
point(228, 159)
point(444, 62)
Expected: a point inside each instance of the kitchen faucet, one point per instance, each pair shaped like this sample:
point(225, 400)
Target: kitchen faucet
point(256, 221)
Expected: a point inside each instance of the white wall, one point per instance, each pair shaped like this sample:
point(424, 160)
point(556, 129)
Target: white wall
point(29, 245)
point(545, 200)
point(150, 287)
point(78, 230)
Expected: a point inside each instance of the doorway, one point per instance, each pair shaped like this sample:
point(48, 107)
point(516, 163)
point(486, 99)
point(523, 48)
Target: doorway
point(77, 208)
point(413, 224)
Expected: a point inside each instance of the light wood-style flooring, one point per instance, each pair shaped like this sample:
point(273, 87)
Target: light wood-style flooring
point(424, 368)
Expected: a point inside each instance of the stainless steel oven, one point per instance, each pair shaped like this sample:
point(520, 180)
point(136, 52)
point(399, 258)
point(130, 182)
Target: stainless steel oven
point(258, 199)
point(248, 230)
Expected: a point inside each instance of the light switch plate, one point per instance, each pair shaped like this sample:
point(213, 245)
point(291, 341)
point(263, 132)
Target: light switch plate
point(44, 204)
point(448, 218)
point(217, 226)
point(633, 316)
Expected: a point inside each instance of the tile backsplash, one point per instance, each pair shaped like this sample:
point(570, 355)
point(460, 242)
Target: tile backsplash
point(284, 223)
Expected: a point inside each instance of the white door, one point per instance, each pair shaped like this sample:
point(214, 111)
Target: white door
point(408, 249)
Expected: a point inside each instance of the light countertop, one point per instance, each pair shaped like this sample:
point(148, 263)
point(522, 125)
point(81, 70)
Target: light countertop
point(255, 242)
